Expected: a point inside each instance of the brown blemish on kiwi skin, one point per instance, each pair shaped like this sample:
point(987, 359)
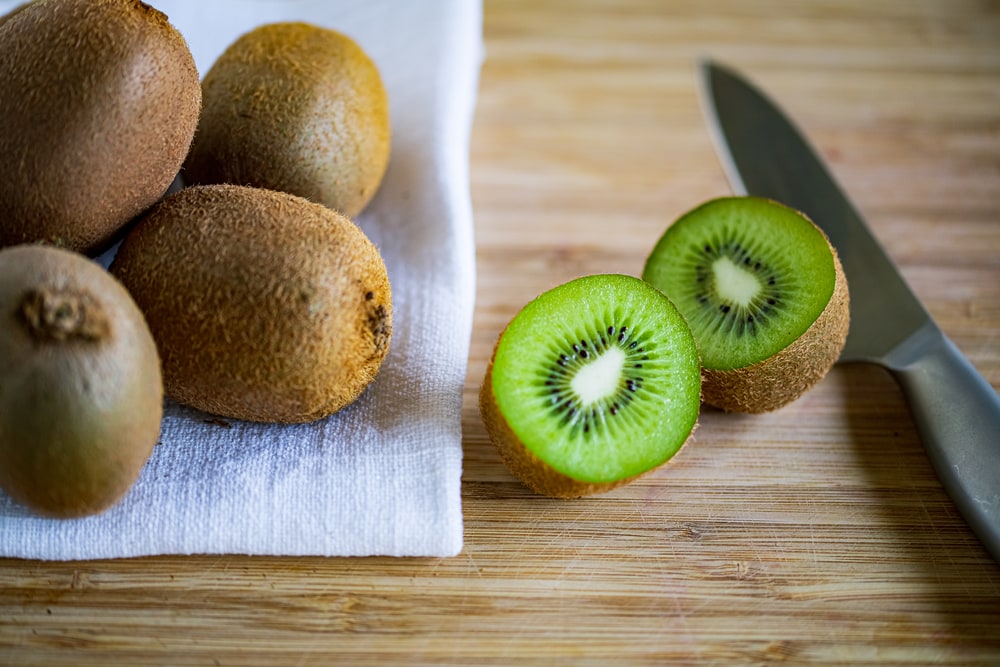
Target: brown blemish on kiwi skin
point(99, 100)
point(380, 325)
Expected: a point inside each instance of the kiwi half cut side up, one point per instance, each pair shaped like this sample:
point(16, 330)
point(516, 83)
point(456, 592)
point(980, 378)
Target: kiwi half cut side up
point(765, 296)
point(591, 385)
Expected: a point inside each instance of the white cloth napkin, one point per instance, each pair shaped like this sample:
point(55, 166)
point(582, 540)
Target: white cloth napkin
point(382, 477)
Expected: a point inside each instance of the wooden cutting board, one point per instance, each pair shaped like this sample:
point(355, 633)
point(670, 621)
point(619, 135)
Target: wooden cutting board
point(817, 534)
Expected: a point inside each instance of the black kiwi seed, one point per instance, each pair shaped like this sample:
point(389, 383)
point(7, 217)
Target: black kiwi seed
point(564, 365)
point(737, 318)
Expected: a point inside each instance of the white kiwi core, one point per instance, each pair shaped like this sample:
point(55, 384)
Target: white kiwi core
point(733, 283)
point(601, 378)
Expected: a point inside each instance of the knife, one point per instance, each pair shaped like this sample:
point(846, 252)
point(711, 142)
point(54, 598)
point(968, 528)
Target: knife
point(955, 410)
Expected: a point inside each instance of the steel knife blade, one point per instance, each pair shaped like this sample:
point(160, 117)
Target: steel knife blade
point(955, 410)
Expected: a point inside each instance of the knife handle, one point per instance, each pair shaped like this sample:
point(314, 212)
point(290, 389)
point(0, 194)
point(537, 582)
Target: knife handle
point(957, 413)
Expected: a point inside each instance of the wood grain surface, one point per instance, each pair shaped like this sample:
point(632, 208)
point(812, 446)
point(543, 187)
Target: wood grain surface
point(817, 534)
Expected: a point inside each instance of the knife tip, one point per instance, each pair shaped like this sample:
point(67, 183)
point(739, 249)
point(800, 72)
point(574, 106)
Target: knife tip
point(710, 67)
point(712, 73)
point(705, 65)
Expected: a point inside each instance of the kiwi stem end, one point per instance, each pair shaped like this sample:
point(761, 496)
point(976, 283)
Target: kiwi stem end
point(54, 314)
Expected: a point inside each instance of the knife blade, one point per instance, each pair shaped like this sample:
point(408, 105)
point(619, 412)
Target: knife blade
point(955, 410)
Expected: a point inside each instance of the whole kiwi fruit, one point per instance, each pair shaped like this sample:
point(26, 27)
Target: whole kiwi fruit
point(591, 385)
point(81, 397)
point(99, 100)
point(298, 108)
point(265, 306)
point(764, 293)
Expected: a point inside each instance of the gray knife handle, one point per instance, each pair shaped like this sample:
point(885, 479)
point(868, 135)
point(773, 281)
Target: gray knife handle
point(957, 413)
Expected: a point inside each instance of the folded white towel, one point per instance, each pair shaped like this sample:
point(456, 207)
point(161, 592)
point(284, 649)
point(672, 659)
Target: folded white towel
point(382, 477)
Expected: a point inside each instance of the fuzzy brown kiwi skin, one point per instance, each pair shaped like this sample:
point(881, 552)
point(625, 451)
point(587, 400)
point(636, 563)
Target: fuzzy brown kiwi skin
point(297, 108)
point(532, 471)
point(13, 11)
point(265, 307)
point(81, 395)
point(99, 100)
point(784, 377)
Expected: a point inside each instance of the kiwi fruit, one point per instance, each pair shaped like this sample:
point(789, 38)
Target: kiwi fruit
point(297, 108)
point(764, 293)
point(99, 100)
point(81, 396)
point(265, 306)
point(592, 384)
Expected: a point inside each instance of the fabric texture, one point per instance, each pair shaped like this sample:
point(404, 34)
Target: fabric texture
point(381, 477)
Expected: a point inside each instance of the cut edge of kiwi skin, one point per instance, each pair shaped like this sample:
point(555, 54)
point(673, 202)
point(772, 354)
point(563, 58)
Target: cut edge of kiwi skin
point(777, 381)
point(671, 434)
point(532, 471)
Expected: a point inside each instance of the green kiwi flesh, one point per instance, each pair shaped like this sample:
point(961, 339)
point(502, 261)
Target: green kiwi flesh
point(298, 108)
point(80, 388)
point(99, 100)
point(591, 385)
point(265, 306)
point(765, 296)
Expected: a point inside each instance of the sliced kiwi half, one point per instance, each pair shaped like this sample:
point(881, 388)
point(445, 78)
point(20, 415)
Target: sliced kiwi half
point(591, 385)
point(764, 294)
